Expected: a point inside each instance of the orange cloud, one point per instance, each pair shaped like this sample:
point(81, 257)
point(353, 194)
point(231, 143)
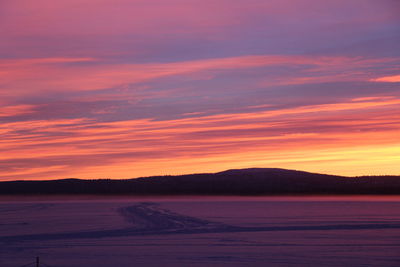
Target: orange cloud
point(388, 79)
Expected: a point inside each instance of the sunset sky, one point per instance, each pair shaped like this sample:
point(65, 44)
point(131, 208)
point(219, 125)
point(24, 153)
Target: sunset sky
point(129, 88)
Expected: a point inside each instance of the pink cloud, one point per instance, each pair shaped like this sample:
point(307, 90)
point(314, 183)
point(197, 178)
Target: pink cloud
point(9, 111)
point(27, 76)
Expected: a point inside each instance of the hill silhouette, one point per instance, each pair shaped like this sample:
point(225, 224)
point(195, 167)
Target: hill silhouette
point(254, 181)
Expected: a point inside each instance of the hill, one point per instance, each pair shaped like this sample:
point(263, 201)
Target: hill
point(255, 181)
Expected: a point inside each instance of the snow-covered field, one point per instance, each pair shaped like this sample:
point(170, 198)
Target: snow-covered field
point(200, 231)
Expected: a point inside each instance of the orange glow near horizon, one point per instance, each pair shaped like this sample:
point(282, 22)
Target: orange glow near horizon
point(211, 143)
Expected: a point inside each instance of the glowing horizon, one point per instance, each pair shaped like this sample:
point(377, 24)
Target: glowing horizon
point(124, 89)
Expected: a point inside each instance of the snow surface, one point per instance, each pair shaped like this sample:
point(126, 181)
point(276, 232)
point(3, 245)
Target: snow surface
point(201, 231)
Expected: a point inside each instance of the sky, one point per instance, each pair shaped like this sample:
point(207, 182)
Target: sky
point(129, 88)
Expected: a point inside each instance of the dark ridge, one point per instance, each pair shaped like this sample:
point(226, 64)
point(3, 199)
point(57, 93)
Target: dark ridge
point(254, 181)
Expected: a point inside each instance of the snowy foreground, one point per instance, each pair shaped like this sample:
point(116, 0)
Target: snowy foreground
point(201, 231)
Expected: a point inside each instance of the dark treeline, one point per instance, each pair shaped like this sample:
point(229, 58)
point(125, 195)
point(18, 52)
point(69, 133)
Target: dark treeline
point(231, 182)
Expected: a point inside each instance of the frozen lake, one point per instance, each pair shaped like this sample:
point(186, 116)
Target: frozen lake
point(200, 231)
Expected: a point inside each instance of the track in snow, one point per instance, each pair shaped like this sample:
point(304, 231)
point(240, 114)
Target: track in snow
point(149, 219)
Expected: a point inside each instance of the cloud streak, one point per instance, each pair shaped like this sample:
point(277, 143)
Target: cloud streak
point(389, 79)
